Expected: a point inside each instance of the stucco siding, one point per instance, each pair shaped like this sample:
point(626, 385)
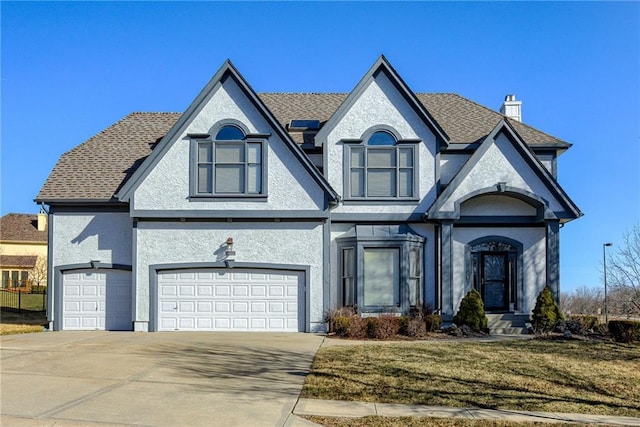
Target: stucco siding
point(380, 103)
point(289, 184)
point(502, 163)
point(533, 263)
point(450, 165)
point(80, 238)
point(489, 205)
point(162, 243)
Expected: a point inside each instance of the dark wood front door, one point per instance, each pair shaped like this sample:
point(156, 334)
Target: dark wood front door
point(494, 280)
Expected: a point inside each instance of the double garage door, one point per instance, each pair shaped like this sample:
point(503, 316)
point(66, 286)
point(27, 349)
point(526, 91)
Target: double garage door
point(96, 300)
point(230, 300)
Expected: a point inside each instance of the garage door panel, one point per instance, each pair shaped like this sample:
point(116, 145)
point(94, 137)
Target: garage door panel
point(230, 300)
point(96, 300)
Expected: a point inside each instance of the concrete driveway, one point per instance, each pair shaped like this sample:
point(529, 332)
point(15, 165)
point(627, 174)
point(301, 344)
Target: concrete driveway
point(153, 379)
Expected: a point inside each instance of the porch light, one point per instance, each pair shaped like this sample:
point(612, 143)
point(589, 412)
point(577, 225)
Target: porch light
point(229, 252)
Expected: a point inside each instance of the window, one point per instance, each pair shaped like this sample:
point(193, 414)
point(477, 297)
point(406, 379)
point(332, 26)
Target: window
point(381, 268)
point(229, 165)
point(381, 168)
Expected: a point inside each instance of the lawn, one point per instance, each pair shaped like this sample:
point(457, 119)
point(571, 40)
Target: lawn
point(14, 322)
point(30, 302)
point(373, 421)
point(531, 375)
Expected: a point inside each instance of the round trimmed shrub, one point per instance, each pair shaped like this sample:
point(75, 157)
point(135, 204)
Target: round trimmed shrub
point(471, 312)
point(546, 313)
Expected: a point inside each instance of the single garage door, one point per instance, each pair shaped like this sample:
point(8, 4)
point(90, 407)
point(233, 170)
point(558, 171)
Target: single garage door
point(96, 300)
point(230, 300)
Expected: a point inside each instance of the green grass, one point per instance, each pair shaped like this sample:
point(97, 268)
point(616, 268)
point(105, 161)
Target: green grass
point(532, 375)
point(30, 302)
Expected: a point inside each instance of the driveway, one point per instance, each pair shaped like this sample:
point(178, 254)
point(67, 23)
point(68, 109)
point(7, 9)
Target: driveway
point(153, 379)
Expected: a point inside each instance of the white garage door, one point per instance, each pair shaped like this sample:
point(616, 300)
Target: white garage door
point(229, 300)
point(96, 299)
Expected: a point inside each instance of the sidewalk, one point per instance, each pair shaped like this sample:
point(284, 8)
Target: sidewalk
point(335, 408)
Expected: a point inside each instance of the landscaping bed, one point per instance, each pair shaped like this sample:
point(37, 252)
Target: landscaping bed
point(551, 375)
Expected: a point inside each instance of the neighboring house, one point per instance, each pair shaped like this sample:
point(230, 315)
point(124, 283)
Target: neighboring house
point(23, 249)
point(265, 211)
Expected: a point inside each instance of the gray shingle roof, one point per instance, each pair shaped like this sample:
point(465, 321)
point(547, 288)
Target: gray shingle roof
point(18, 261)
point(96, 169)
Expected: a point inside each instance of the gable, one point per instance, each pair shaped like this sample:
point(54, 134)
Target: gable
point(503, 164)
point(165, 181)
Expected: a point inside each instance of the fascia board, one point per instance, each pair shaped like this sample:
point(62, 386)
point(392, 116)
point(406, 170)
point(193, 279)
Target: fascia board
point(381, 64)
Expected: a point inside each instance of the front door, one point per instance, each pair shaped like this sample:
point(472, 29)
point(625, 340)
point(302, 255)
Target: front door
point(494, 280)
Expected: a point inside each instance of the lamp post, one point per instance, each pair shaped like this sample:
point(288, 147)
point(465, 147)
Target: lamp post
point(604, 262)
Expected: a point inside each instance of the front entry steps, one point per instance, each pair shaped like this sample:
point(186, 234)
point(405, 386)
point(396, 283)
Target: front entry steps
point(507, 323)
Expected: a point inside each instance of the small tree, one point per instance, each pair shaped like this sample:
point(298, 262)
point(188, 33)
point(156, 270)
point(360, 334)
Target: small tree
point(546, 312)
point(624, 271)
point(471, 312)
point(38, 273)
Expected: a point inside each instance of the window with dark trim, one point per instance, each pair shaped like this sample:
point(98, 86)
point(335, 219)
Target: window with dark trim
point(381, 272)
point(381, 167)
point(230, 164)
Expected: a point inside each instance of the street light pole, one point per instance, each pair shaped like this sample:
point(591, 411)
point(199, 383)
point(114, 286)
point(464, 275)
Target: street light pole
point(604, 262)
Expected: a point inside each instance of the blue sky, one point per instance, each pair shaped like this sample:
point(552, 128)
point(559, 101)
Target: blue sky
point(71, 69)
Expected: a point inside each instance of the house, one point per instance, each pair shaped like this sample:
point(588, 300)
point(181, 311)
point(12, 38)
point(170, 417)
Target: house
point(23, 249)
point(263, 211)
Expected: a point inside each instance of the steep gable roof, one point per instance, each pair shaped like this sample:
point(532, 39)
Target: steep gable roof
point(504, 126)
point(96, 170)
point(227, 70)
point(16, 227)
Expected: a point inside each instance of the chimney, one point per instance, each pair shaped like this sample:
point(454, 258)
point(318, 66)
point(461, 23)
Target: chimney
point(42, 221)
point(512, 108)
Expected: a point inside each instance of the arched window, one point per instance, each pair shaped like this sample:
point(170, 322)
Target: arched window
point(381, 167)
point(230, 164)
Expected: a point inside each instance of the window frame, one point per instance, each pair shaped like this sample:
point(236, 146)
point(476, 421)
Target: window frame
point(353, 145)
point(197, 140)
point(402, 294)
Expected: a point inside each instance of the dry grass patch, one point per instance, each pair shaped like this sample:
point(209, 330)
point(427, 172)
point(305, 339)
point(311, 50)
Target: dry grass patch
point(533, 375)
point(14, 322)
point(374, 421)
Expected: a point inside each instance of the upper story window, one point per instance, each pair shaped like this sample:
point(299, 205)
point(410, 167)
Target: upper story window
point(231, 164)
point(381, 167)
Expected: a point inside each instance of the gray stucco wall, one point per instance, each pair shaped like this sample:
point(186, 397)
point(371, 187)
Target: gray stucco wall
point(533, 262)
point(290, 185)
point(381, 104)
point(496, 205)
point(298, 243)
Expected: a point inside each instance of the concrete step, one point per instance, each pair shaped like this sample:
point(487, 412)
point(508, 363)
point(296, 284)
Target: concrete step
point(509, 331)
point(507, 323)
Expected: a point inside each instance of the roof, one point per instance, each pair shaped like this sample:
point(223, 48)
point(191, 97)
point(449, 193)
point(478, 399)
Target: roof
point(96, 169)
point(19, 261)
point(21, 228)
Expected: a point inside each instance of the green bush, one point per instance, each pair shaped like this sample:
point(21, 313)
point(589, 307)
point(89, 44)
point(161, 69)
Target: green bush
point(403, 325)
point(581, 324)
point(371, 326)
point(546, 313)
point(471, 312)
point(624, 330)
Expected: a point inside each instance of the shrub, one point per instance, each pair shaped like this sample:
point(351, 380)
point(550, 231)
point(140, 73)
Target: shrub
point(624, 330)
point(546, 313)
point(372, 326)
point(471, 312)
point(578, 324)
point(416, 328)
point(403, 325)
point(388, 327)
point(338, 313)
point(433, 322)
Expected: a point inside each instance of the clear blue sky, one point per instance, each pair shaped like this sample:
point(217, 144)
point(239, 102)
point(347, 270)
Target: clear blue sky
point(71, 69)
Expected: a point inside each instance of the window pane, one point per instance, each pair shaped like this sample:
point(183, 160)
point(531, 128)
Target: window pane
point(381, 183)
point(229, 178)
point(405, 183)
point(229, 133)
point(357, 183)
point(254, 153)
point(15, 281)
point(381, 276)
point(414, 292)
point(381, 138)
point(348, 269)
point(381, 158)
point(406, 158)
point(229, 153)
point(254, 179)
point(357, 157)
point(204, 179)
point(5, 279)
point(205, 153)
